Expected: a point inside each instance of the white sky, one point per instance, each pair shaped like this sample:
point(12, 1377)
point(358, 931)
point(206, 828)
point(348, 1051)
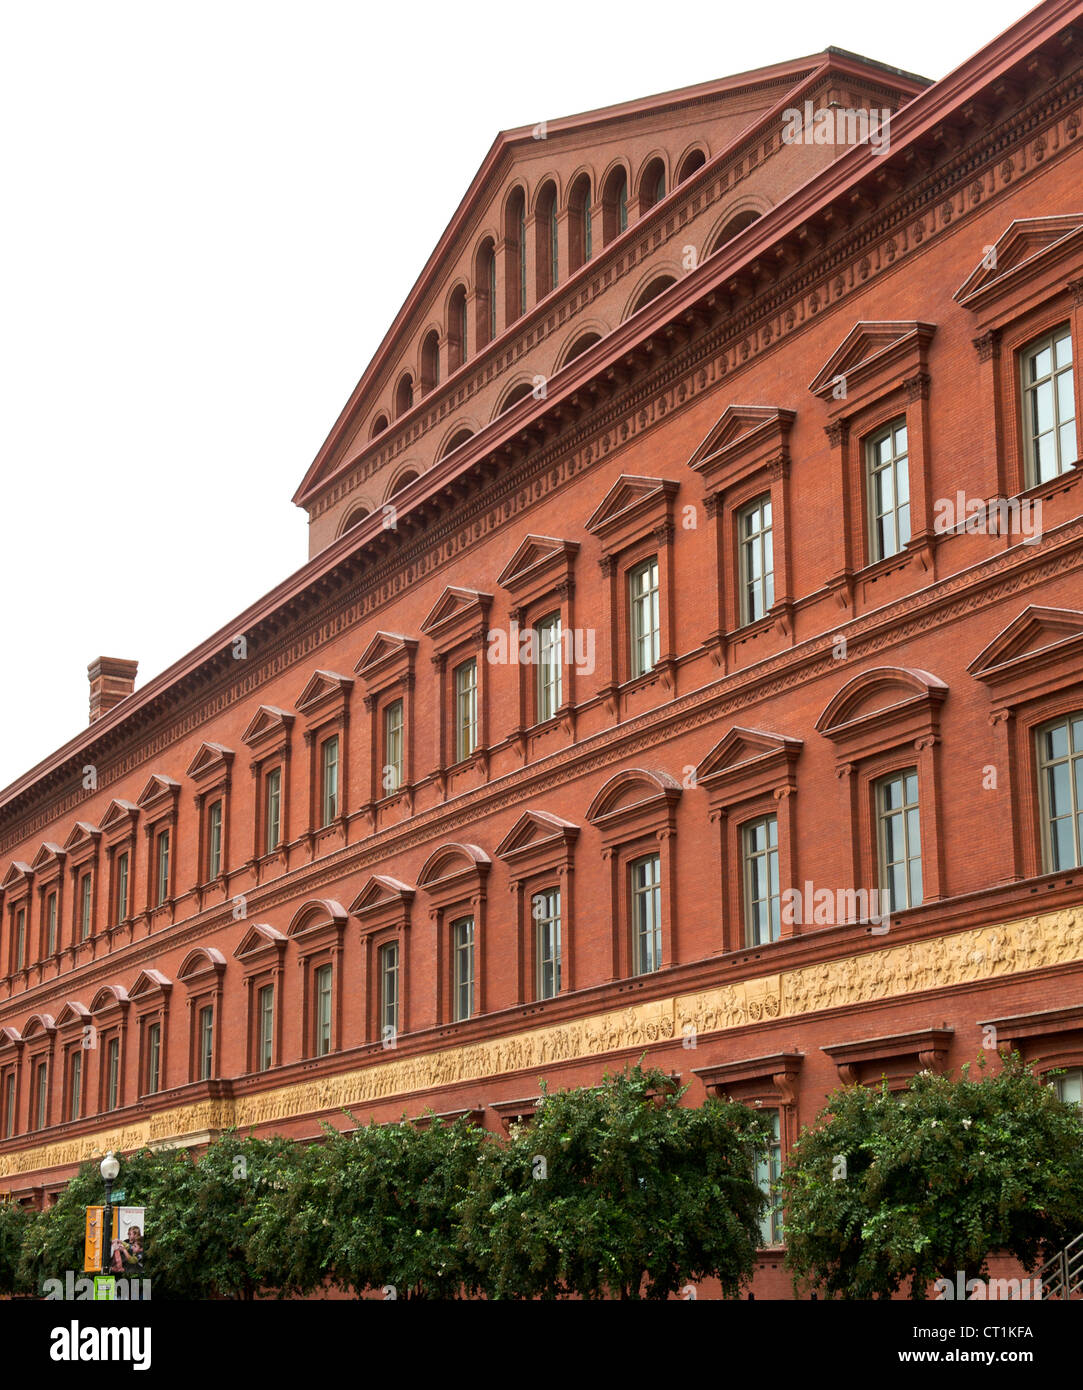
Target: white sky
point(210, 214)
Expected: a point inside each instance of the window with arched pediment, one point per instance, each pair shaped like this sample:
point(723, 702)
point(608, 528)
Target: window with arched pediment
point(316, 934)
point(453, 879)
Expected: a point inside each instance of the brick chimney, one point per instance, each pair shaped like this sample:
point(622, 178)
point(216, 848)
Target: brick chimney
point(111, 680)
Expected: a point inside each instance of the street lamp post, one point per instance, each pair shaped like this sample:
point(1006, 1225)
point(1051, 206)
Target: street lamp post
point(110, 1169)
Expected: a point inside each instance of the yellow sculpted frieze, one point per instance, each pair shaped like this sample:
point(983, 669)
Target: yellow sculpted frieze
point(1031, 943)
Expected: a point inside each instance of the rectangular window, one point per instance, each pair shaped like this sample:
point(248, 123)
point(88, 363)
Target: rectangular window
point(1060, 779)
point(329, 781)
point(163, 867)
point(550, 667)
point(214, 841)
point(112, 1074)
point(899, 839)
point(1049, 425)
point(20, 938)
point(86, 900)
point(393, 746)
point(645, 624)
point(154, 1052)
point(768, 1172)
point(466, 709)
point(462, 950)
point(206, 1042)
point(266, 1010)
point(50, 924)
point(122, 887)
point(1068, 1086)
point(323, 1010)
point(42, 1095)
point(546, 913)
point(888, 469)
point(646, 876)
point(762, 899)
point(75, 1083)
point(273, 810)
point(389, 991)
point(9, 1105)
point(757, 560)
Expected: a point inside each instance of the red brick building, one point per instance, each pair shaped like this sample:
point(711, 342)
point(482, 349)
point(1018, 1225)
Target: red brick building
point(698, 559)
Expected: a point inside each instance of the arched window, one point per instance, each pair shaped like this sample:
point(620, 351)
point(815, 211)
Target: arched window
point(458, 438)
point(615, 205)
point(734, 227)
point(652, 185)
point(586, 340)
point(430, 362)
point(402, 481)
point(378, 425)
point(579, 247)
point(456, 329)
point(545, 221)
point(485, 286)
point(515, 395)
point(355, 518)
point(404, 394)
point(693, 160)
point(515, 242)
point(657, 286)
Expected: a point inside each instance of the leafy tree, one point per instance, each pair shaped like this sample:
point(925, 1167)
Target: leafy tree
point(198, 1241)
point(54, 1242)
point(287, 1226)
point(619, 1190)
point(916, 1186)
point(14, 1223)
point(392, 1196)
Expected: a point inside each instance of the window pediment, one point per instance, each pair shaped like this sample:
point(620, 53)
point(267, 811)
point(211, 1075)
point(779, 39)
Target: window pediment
point(159, 796)
point(150, 984)
point(110, 999)
point(537, 830)
point(1048, 1039)
point(539, 566)
point(383, 902)
point(387, 660)
point(48, 859)
point(632, 507)
point(202, 967)
point(82, 841)
point(896, 1058)
point(747, 763)
point(873, 359)
point(456, 616)
point(881, 708)
point(317, 923)
point(120, 818)
point(269, 725)
point(1031, 259)
point(771, 1079)
point(73, 1015)
point(325, 695)
point(39, 1026)
point(18, 876)
point(455, 872)
point(212, 762)
point(745, 439)
point(1040, 649)
point(260, 940)
point(637, 801)
point(10, 1037)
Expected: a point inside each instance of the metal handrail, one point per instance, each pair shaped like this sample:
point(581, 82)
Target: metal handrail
point(1062, 1276)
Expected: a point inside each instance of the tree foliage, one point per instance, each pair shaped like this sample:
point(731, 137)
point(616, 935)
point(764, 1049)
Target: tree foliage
point(890, 1188)
point(619, 1191)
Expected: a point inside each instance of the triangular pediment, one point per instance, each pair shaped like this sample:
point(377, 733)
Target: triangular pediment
point(258, 938)
point(17, 873)
point(82, 834)
point(380, 890)
point(211, 757)
point(322, 686)
point(1034, 632)
point(385, 646)
point(456, 605)
point(267, 720)
point(741, 748)
point(119, 812)
point(536, 828)
point(867, 346)
point(150, 982)
point(742, 425)
point(47, 855)
point(1025, 240)
point(158, 789)
point(73, 1013)
point(532, 554)
point(628, 494)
